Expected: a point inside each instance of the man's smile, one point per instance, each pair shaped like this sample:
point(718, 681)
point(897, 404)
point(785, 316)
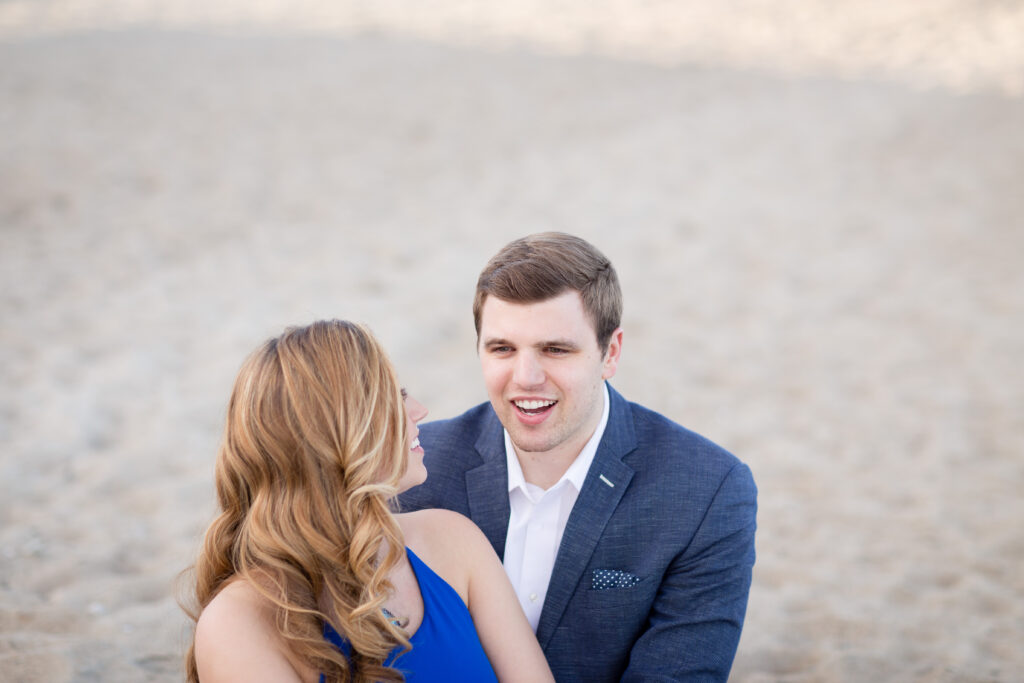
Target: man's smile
point(533, 411)
point(534, 407)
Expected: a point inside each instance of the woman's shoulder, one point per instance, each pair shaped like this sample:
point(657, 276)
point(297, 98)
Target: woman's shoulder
point(238, 602)
point(447, 542)
point(437, 530)
point(435, 520)
point(236, 638)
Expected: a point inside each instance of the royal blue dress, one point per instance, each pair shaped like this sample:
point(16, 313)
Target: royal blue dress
point(445, 647)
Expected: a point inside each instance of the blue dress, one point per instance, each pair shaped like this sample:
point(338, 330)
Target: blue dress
point(445, 647)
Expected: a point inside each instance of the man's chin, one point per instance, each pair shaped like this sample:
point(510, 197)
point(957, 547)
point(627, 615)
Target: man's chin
point(524, 444)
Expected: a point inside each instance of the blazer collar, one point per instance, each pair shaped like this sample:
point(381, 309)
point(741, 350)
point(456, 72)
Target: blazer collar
point(602, 490)
point(487, 484)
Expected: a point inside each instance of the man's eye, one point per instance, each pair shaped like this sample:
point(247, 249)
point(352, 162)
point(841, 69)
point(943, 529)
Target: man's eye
point(557, 350)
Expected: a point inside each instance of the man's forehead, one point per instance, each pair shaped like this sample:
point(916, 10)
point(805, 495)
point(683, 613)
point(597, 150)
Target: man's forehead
point(559, 319)
point(567, 305)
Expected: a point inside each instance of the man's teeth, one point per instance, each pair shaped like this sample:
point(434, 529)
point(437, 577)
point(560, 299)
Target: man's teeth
point(534, 405)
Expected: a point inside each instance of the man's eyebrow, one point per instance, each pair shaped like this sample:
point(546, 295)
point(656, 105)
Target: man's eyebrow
point(564, 343)
point(496, 341)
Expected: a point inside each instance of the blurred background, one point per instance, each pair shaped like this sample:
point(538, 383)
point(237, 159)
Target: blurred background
point(815, 209)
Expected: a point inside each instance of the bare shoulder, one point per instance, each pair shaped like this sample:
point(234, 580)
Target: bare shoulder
point(439, 526)
point(237, 604)
point(436, 528)
point(236, 639)
point(448, 542)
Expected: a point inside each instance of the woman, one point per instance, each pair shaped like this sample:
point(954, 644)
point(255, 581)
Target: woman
point(307, 574)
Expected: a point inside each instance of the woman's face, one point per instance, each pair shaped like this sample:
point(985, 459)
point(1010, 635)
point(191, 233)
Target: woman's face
point(416, 473)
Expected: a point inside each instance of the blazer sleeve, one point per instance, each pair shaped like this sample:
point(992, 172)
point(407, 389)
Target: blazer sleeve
point(694, 625)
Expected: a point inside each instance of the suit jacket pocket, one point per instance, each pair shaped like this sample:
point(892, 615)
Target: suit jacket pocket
point(616, 587)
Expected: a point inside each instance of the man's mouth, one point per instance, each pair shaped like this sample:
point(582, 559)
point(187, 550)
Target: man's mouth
point(533, 407)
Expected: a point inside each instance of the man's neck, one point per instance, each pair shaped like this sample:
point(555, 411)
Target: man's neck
point(545, 469)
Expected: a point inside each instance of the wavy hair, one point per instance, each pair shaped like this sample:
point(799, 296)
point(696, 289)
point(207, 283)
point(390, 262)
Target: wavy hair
point(313, 449)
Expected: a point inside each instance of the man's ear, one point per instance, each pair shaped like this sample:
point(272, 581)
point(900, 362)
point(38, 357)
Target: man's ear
point(612, 355)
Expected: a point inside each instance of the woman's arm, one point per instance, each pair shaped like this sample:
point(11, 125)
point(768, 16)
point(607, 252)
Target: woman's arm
point(236, 641)
point(506, 635)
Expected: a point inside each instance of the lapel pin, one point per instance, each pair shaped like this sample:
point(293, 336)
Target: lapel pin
point(605, 480)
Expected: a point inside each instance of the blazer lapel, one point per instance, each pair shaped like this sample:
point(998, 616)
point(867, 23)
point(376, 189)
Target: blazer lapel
point(487, 486)
point(602, 490)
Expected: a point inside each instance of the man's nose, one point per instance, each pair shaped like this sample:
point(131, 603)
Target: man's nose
point(528, 371)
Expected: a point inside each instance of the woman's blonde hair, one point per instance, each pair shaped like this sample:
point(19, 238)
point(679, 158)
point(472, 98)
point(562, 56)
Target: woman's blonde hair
point(313, 449)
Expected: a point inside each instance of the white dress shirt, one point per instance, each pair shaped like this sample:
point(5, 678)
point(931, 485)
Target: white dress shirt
point(538, 519)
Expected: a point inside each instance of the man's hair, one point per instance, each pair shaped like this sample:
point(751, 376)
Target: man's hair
point(542, 266)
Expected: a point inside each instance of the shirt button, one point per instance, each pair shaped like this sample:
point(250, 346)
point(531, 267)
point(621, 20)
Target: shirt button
point(533, 597)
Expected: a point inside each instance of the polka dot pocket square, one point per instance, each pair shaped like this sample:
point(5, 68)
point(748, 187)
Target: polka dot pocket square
point(604, 579)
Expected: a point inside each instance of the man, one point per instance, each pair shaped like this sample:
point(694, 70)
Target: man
point(629, 539)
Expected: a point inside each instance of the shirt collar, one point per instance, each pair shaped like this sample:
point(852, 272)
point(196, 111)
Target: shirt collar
point(577, 471)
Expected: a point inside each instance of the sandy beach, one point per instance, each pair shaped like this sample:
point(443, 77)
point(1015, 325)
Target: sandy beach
point(815, 210)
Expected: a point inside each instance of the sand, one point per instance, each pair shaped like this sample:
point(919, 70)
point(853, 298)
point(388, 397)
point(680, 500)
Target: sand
point(815, 209)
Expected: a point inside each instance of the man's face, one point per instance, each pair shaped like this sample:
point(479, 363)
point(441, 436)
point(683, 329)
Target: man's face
point(544, 371)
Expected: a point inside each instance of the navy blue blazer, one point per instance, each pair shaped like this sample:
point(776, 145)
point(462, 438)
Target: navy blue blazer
point(651, 579)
